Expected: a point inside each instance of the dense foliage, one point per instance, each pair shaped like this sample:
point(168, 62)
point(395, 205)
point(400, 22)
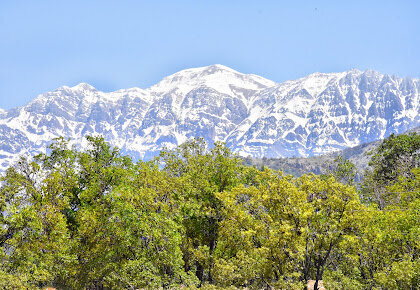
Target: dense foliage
point(196, 217)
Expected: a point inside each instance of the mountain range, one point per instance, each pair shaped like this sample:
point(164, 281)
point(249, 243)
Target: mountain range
point(313, 115)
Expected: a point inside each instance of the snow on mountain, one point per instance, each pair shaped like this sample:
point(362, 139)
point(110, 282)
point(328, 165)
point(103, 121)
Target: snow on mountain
point(319, 113)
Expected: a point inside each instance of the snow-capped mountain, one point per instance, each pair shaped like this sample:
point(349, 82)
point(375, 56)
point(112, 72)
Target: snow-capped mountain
point(316, 114)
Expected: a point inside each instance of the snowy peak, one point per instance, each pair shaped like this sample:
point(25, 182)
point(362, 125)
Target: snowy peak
point(218, 77)
point(215, 68)
point(83, 87)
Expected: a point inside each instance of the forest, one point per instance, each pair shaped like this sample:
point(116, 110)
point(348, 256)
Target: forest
point(196, 217)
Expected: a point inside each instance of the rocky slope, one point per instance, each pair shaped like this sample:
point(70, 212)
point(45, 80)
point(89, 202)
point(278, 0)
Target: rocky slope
point(321, 164)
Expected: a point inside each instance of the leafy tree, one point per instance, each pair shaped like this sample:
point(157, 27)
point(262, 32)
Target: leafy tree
point(395, 157)
point(36, 244)
point(389, 243)
point(132, 238)
point(330, 221)
point(283, 231)
point(129, 236)
point(344, 170)
point(202, 174)
point(260, 243)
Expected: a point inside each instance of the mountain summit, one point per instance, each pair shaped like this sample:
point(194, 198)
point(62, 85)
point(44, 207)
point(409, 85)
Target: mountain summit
point(316, 114)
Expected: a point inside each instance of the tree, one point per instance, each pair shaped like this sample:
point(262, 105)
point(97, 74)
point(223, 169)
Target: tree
point(260, 239)
point(283, 230)
point(395, 157)
point(344, 170)
point(389, 244)
point(329, 222)
point(202, 174)
point(132, 237)
point(35, 240)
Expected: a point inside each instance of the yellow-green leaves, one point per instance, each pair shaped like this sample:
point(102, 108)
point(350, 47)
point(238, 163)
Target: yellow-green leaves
point(282, 229)
point(195, 217)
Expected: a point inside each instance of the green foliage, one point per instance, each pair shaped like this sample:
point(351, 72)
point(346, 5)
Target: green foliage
point(202, 174)
point(395, 158)
point(195, 217)
point(344, 171)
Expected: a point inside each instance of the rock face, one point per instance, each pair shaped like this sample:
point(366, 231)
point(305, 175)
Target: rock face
point(317, 114)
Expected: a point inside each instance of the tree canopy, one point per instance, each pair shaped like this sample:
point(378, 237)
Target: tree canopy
point(196, 217)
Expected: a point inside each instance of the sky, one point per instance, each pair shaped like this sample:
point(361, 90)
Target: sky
point(121, 44)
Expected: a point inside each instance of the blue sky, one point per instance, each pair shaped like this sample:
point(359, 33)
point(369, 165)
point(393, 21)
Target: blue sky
point(122, 44)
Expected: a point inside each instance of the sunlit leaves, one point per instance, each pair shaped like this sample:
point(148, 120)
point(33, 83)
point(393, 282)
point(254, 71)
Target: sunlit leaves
point(195, 217)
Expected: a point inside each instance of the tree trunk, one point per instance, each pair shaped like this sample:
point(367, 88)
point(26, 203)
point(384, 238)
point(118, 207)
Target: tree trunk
point(199, 272)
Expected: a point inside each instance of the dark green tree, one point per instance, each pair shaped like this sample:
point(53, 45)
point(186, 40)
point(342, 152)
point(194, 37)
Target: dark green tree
point(395, 157)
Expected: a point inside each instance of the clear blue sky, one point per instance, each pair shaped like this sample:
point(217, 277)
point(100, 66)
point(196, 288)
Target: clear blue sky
point(121, 44)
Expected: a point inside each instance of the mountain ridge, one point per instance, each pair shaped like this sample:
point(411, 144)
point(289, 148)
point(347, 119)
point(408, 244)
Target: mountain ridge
point(322, 164)
point(313, 115)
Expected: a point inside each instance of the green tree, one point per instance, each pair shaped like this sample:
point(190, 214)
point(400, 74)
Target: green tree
point(35, 241)
point(395, 157)
point(344, 170)
point(389, 243)
point(132, 238)
point(329, 222)
point(261, 239)
point(202, 174)
point(283, 231)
